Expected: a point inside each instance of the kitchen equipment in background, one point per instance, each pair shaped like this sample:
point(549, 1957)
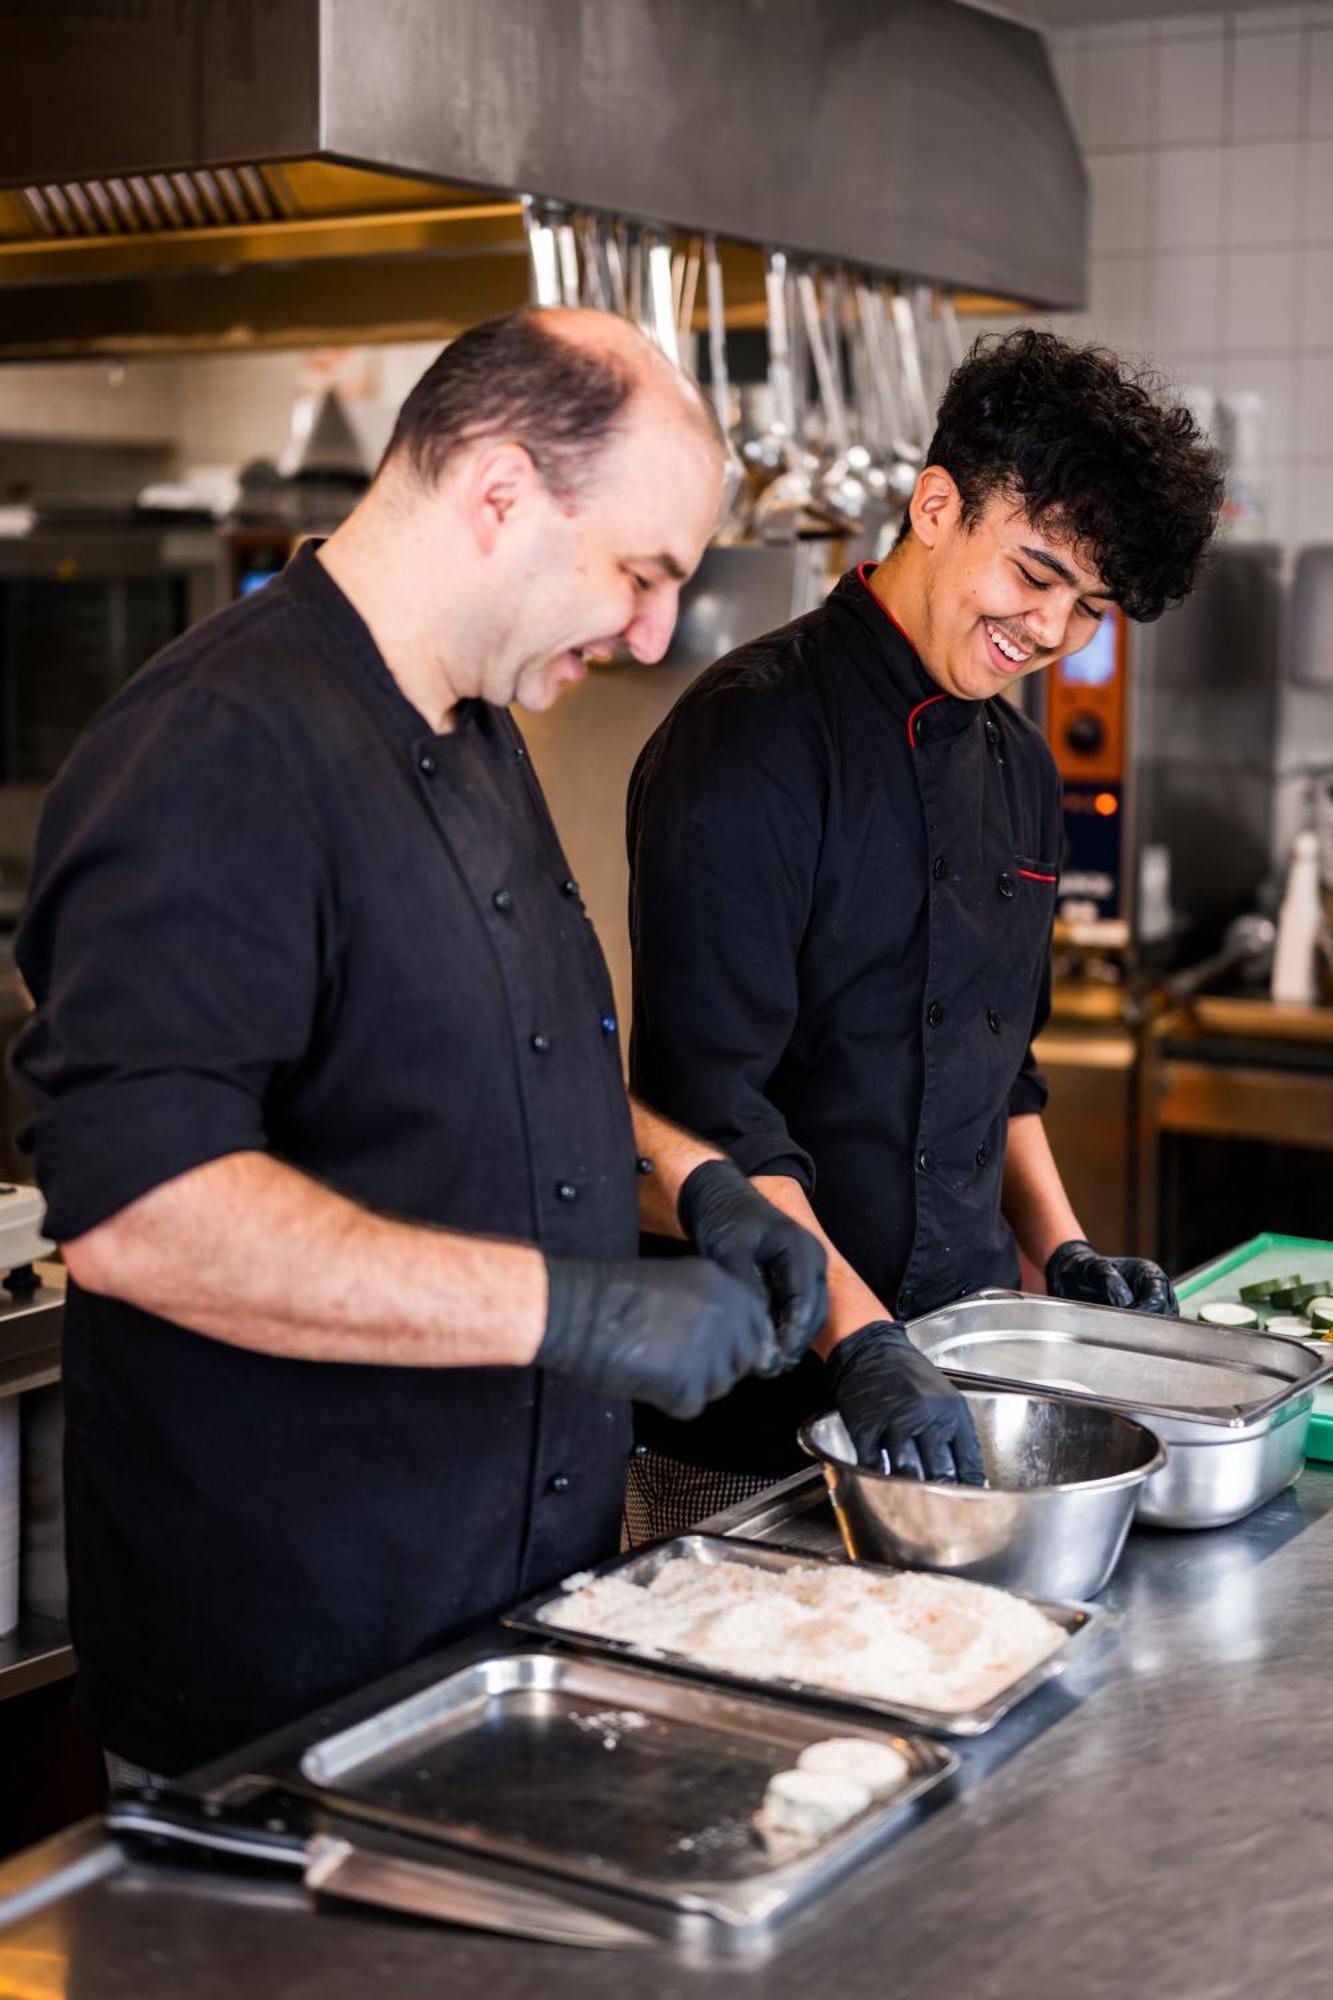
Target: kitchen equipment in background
point(731, 521)
point(83, 604)
point(1166, 737)
point(165, 192)
point(1086, 699)
point(1063, 1482)
point(1232, 1409)
point(32, 1564)
point(1305, 733)
point(1295, 980)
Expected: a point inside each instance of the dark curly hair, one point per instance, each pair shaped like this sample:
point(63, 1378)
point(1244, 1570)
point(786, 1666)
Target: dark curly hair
point(1092, 450)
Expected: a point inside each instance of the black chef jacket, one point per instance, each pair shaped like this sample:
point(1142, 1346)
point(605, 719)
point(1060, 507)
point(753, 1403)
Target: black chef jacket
point(843, 884)
point(272, 910)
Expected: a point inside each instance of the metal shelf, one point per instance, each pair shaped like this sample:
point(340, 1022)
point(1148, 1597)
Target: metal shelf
point(30, 1330)
point(35, 1652)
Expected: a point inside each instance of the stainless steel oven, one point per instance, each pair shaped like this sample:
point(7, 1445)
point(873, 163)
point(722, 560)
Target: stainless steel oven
point(81, 608)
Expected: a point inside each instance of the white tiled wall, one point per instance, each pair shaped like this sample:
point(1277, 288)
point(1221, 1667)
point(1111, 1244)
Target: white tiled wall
point(1209, 140)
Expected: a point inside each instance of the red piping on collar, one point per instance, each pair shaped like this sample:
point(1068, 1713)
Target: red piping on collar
point(911, 720)
point(1031, 875)
point(864, 571)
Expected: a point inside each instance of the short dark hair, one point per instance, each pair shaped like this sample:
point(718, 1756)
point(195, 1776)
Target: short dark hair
point(1093, 449)
point(512, 377)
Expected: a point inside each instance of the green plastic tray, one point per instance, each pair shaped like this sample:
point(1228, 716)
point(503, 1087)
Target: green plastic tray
point(1267, 1256)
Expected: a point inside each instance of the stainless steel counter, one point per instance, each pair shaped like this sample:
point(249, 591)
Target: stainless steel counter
point(1157, 1826)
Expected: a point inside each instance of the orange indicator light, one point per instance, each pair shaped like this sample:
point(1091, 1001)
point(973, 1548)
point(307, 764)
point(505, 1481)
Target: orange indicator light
point(1107, 804)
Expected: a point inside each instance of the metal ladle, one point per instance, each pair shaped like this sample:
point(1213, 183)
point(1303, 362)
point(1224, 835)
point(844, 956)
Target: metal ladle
point(733, 515)
point(788, 499)
point(840, 488)
point(543, 255)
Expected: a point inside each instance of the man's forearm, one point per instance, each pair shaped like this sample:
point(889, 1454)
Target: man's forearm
point(250, 1251)
point(1033, 1196)
point(675, 1154)
point(852, 1304)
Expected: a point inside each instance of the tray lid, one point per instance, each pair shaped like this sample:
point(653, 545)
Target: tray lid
point(1135, 1362)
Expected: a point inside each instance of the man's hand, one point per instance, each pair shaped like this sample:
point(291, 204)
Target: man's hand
point(1077, 1271)
point(729, 1222)
point(676, 1334)
point(893, 1400)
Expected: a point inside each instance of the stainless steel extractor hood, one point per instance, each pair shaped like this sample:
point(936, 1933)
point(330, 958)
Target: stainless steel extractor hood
point(208, 172)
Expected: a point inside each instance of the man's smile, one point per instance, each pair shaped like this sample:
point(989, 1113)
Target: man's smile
point(1005, 651)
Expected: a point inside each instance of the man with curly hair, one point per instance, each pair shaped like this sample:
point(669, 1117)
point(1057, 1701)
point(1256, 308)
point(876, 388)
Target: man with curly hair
point(844, 846)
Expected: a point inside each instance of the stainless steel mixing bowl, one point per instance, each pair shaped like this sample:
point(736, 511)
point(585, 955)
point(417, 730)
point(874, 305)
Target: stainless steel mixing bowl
point(1064, 1481)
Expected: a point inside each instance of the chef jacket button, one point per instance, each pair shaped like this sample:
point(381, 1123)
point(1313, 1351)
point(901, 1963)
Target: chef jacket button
point(923, 729)
point(993, 1020)
point(941, 869)
point(643, 1165)
point(1006, 886)
point(520, 751)
point(559, 1482)
point(540, 1045)
point(426, 764)
point(569, 887)
point(983, 1153)
point(935, 1014)
point(502, 900)
point(906, 1299)
point(992, 733)
point(926, 1160)
point(566, 1191)
point(609, 1024)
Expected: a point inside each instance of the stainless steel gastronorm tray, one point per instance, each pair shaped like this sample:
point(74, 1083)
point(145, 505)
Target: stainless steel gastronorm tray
point(595, 1774)
point(1175, 1370)
point(1076, 1620)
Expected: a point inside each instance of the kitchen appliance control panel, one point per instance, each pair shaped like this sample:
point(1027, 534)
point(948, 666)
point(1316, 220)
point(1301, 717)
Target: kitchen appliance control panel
point(1086, 728)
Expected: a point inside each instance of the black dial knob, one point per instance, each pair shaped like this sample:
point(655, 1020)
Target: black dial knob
point(1084, 732)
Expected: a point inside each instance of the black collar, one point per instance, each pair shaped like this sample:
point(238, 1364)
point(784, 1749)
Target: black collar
point(924, 707)
point(310, 581)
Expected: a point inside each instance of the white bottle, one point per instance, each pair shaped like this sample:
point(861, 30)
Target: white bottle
point(1294, 971)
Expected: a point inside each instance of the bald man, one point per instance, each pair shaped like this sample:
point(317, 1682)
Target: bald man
point(325, 1079)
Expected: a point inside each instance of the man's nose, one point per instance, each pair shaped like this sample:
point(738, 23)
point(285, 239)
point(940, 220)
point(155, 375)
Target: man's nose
point(649, 633)
point(1046, 625)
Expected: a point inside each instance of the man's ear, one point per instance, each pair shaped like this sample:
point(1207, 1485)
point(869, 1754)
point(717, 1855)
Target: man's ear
point(936, 505)
point(500, 485)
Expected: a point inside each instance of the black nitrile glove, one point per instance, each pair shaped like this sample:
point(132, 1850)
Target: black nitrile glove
point(676, 1334)
point(730, 1222)
point(1077, 1271)
point(893, 1400)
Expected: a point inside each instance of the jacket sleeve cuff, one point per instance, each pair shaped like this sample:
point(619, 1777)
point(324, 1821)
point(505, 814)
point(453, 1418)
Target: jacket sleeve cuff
point(773, 1153)
point(1030, 1091)
point(98, 1151)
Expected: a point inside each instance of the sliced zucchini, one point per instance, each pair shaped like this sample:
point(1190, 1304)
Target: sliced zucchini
point(1289, 1323)
point(1226, 1312)
point(1261, 1290)
point(1302, 1296)
point(1266, 1288)
point(1320, 1313)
